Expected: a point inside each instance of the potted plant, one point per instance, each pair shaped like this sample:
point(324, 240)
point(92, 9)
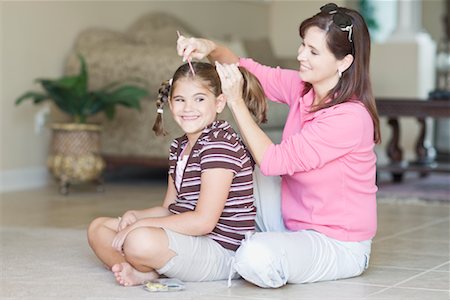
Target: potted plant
point(75, 146)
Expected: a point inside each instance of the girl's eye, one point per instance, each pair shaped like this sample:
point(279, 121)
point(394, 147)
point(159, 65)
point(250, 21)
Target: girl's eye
point(178, 100)
point(199, 99)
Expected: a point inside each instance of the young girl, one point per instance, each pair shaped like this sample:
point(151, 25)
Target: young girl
point(208, 206)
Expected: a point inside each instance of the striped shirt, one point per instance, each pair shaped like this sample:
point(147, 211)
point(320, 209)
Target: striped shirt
point(219, 146)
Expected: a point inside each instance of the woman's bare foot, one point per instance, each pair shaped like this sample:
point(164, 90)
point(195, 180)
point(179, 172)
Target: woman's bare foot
point(126, 275)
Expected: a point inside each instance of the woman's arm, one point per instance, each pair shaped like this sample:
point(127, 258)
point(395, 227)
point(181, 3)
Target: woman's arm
point(197, 48)
point(215, 187)
point(223, 55)
point(232, 83)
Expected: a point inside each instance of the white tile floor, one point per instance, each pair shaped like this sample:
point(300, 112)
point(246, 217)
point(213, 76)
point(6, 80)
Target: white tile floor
point(410, 255)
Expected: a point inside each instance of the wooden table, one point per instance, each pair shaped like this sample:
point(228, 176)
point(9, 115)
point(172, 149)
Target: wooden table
point(393, 109)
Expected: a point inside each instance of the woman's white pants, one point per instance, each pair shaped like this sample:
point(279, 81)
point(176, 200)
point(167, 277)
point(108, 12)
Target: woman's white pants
point(276, 256)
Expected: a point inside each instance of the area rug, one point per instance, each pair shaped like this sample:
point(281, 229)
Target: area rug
point(433, 189)
point(49, 263)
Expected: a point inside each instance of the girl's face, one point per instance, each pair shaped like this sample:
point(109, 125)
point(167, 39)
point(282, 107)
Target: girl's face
point(318, 65)
point(194, 107)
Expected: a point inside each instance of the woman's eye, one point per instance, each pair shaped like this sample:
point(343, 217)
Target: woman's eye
point(178, 99)
point(199, 99)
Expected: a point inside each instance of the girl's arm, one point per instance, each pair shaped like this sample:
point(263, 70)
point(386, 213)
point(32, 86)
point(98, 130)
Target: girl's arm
point(215, 187)
point(132, 216)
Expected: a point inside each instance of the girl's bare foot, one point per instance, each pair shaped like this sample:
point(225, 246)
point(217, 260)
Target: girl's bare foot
point(126, 275)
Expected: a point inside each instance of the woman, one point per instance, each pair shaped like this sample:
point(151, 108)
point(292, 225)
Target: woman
point(326, 158)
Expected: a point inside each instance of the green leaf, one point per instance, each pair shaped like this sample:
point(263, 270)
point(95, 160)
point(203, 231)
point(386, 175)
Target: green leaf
point(110, 111)
point(71, 95)
point(36, 97)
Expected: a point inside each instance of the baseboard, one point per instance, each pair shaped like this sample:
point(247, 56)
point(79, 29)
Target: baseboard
point(23, 179)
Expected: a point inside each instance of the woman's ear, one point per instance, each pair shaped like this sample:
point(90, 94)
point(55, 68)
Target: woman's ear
point(221, 101)
point(345, 63)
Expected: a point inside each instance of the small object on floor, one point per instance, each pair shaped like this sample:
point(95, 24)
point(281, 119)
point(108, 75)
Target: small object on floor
point(164, 285)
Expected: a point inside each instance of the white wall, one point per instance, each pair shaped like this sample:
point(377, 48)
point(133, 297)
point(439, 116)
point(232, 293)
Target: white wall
point(36, 37)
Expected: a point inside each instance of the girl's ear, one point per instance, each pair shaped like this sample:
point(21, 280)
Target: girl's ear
point(221, 101)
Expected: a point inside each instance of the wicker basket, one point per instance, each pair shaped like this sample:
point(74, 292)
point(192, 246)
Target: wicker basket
point(75, 154)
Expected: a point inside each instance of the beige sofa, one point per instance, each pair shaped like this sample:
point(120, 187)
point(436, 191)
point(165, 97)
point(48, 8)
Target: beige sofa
point(146, 51)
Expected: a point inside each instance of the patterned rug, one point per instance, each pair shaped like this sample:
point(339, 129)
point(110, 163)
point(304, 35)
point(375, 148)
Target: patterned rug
point(434, 188)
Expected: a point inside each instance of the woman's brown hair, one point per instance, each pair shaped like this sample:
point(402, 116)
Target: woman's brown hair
point(355, 82)
point(253, 93)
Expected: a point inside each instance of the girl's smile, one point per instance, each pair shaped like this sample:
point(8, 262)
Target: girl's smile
point(194, 106)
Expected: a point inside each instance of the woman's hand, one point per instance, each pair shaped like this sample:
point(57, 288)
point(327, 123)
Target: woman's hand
point(232, 82)
point(194, 47)
point(127, 219)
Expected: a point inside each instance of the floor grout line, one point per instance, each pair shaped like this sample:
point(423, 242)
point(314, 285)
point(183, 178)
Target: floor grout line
point(408, 269)
point(426, 240)
point(408, 279)
point(412, 229)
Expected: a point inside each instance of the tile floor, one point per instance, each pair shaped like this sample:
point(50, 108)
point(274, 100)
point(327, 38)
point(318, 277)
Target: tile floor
point(410, 255)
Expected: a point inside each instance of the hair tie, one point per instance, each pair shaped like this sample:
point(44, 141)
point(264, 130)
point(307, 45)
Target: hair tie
point(159, 111)
point(170, 81)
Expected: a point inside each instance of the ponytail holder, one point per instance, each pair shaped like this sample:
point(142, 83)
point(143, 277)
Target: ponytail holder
point(170, 81)
point(159, 111)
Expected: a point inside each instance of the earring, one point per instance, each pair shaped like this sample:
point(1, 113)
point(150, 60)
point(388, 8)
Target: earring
point(340, 74)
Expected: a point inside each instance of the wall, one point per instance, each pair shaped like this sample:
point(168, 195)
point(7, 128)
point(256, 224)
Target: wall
point(284, 21)
point(36, 37)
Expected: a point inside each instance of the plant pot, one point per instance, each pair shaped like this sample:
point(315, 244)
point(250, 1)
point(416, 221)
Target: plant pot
point(75, 154)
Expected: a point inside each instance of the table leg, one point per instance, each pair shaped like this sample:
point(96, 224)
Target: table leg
point(425, 153)
point(394, 152)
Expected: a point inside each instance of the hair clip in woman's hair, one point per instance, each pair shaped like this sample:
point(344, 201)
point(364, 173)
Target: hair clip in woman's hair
point(159, 111)
point(330, 8)
point(349, 28)
point(170, 81)
point(340, 18)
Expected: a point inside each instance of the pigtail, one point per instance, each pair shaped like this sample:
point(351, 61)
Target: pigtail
point(163, 97)
point(254, 97)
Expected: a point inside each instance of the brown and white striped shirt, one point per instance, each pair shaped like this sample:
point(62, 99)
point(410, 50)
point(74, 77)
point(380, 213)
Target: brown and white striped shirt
point(219, 146)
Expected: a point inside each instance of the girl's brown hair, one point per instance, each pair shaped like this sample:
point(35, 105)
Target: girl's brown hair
point(355, 81)
point(253, 93)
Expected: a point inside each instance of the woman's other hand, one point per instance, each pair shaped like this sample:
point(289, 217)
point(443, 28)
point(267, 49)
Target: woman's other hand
point(232, 82)
point(194, 47)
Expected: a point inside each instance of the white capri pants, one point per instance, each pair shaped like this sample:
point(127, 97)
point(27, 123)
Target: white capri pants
point(277, 256)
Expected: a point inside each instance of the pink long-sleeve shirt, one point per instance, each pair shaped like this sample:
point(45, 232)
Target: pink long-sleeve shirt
point(326, 160)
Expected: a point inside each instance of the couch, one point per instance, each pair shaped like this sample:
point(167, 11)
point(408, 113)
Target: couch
point(145, 51)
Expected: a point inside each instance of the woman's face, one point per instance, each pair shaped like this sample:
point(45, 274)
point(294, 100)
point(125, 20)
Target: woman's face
point(318, 65)
point(194, 107)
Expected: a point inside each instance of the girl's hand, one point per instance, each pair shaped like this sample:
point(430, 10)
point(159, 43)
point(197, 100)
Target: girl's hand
point(127, 219)
point(194, 47)
point(232, 82)
point(119, 239)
